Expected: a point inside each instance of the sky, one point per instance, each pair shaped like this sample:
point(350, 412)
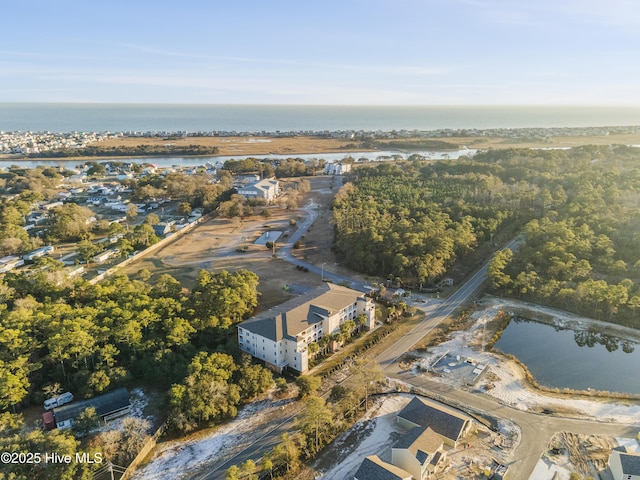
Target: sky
point(352, 52)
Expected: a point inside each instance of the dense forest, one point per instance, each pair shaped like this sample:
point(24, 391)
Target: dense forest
point(413, 220)
point(578, 211)
point(88, 339)
point(266, 168)
point(580, 253)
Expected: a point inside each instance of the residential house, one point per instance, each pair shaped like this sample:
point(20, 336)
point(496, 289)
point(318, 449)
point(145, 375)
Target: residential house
point(419, 452)
point(280, 336)
point(448, 423)
point(51, 205)
point(40, 252)
point(75, 271)
point(337, 168)
point(108, 406)
point(162, 228)
point(372, 468)
point(37, 217)
point(266, 189)
point(106, 255)
point(624, 464)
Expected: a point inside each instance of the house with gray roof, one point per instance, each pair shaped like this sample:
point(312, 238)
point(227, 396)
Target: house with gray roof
point(451, 425)
point(280, 336)
point(372, 468)
point(267, 189)
point(624, 464)
point(419, 452)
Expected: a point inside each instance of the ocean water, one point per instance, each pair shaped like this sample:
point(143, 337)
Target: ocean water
point(59, 117)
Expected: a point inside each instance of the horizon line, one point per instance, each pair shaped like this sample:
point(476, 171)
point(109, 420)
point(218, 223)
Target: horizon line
point(332, 105)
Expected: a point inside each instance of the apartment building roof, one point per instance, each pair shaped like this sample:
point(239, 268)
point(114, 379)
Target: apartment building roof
point(296, 315)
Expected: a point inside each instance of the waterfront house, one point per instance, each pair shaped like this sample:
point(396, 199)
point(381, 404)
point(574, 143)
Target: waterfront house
point(337, 168)
point(280, 336)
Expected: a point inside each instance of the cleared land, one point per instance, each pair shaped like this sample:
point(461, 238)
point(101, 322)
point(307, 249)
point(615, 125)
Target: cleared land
point(214, 245)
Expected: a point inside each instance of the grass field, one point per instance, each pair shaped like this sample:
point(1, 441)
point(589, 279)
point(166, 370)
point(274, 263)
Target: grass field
point(242, 146)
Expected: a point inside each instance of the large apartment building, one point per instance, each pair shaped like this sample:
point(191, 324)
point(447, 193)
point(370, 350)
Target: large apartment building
point(280, 336)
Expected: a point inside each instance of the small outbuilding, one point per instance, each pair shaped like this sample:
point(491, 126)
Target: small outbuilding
point(108, 406)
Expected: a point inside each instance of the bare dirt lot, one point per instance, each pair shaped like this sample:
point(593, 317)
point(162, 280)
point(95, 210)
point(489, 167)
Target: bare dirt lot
point(214, 245)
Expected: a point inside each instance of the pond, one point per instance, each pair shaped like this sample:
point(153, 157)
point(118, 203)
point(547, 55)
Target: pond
point(576, 359)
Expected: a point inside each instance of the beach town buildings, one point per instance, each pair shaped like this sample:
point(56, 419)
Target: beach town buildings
point(280, 336)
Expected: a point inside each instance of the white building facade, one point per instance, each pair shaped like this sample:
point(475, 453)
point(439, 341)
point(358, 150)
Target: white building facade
point(337, 168)
point(280, 336)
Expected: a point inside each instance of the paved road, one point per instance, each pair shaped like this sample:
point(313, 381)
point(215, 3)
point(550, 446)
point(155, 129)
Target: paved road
point(437, 313)
point(285, 252)
point(266, 440)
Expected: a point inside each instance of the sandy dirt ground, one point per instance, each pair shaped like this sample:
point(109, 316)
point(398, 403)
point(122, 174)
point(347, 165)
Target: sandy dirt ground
point(213, 246)
point(506, 381)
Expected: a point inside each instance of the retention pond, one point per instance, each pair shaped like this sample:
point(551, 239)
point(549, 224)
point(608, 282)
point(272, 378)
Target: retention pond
point(575, 359)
